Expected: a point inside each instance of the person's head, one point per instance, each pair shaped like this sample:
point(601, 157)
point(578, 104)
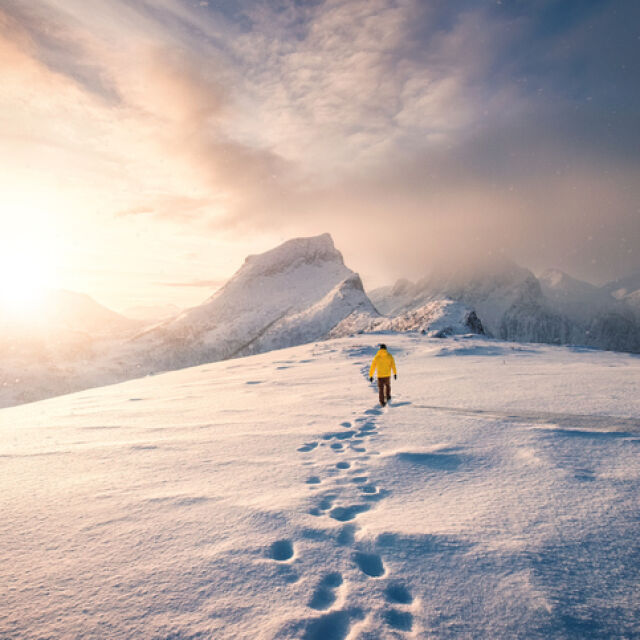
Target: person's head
point(383, 346)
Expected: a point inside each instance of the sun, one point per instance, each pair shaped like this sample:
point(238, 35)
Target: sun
point(24, 279)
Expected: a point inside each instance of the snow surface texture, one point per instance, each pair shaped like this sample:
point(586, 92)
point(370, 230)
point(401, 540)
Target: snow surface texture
point(513, 304)
point(269, 497)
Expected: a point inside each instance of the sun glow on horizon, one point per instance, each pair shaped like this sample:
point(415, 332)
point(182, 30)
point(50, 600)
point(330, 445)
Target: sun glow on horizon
point(27, 272)
point(22, 285)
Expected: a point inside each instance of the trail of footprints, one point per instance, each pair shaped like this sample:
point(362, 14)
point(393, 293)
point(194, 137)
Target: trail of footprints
point(330, 501)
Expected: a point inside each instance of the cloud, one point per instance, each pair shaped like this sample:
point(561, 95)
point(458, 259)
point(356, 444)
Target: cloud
point(168, 207)
point(411, 129)
point(57, 42)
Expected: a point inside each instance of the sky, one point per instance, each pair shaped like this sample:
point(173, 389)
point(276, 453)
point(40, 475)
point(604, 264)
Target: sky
point(147, 147)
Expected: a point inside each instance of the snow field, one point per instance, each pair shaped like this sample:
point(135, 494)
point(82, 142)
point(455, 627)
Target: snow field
point(269, 497)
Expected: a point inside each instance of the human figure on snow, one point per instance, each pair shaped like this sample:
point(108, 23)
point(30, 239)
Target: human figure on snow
point(383, 361)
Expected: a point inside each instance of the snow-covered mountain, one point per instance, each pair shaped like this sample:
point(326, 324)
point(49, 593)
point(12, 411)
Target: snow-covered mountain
point(513, 304)
point(507, 299)
point(290, 295)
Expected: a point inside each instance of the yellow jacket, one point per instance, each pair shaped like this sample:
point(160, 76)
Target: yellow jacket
point(383, 361)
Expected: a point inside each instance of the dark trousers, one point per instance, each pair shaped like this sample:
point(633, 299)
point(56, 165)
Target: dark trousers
point(384, 389)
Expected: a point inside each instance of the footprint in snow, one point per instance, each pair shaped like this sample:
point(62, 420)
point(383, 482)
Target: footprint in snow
point(324, 504)
point(397, 593)
point(370, 564)
point(399, 620)
point(343, 465)
point(344, 514)
point(325, 594)
point(369, 489)
point(331, 626)
point(281, 550)
point(308, 446)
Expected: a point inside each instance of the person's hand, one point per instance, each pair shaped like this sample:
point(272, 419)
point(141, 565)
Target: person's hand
point(370, 379)
point(395, 376)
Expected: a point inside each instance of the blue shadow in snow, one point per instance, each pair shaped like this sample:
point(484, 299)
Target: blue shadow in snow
point(476, 350)
point(586, 433)
point(439, 460)
point(591, 582)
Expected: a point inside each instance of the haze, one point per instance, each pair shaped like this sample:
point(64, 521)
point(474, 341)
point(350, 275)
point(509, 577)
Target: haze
point(148, 147)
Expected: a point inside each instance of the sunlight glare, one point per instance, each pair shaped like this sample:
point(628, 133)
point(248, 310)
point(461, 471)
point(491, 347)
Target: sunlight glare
point(25, 276)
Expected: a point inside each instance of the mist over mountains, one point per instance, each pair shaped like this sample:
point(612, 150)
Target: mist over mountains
point(300, 292)
point(513, 304)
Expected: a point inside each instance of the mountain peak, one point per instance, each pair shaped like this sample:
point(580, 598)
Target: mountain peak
point(553, 277)
point(294, 252)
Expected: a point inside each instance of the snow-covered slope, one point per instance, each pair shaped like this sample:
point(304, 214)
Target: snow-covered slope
point(269, 498)
point(292, 294)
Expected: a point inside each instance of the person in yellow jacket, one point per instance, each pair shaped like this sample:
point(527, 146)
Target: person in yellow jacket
point(383, 361)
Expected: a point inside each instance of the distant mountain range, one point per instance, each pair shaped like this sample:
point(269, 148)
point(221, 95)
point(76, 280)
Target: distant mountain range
point(302, 292)
point(513, 304)
point(65, 323)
